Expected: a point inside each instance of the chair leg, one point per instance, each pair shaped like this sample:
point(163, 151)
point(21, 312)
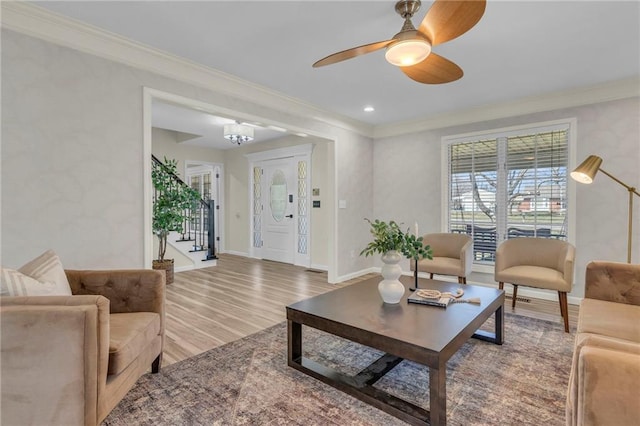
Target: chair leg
point(501, 285)
point(155, 365)
point(564, 309)
point(515, 295)
point(462, 280)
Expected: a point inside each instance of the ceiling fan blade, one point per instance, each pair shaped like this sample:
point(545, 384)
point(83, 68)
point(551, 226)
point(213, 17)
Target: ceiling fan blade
point(351, 53)
point(448, 19)
point(434, 70)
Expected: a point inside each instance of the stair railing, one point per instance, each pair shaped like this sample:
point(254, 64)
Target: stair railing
point(199, 226)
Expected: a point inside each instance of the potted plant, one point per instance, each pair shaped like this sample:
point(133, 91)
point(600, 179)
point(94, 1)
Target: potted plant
point(172, 200)
point(392, 243)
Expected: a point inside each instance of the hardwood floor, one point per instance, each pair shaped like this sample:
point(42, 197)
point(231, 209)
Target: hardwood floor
point(209, 307)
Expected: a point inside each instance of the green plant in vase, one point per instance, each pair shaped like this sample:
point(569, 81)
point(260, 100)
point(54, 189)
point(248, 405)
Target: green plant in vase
point(389, 236)
point(171, 205)
point(393, 243)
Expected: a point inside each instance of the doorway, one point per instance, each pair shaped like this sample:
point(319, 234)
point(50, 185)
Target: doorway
point(206, 178)
point(280, 204)
point(302, 233)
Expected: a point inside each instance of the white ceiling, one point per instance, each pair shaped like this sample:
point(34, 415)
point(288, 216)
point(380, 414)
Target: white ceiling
point(518, 49)
point(198, 128)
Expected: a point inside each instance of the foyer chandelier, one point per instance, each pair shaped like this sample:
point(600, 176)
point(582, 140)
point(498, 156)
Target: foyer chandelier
point(238, 133)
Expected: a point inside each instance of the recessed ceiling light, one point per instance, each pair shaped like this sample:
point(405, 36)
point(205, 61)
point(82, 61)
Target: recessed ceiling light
point(369, 108)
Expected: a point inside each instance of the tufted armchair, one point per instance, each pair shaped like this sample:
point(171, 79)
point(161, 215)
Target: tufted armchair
point(68, 360)
point(604, 385)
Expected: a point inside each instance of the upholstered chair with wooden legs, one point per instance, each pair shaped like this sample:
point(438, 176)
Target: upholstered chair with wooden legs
point(69, 360)
point(537, 262)
point(452, 255)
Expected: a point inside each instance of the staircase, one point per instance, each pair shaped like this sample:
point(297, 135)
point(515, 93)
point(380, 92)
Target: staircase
point(192, 257)
point(195, 247)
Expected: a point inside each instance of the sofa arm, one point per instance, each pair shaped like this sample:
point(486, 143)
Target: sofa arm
point(54, 352)
point(128, 290)
point(608, 387)
point(613, 282)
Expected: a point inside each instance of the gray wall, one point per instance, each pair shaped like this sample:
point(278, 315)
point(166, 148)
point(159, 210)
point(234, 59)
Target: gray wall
point(407, 182)
point(165, 144)
point(72, 164)
point(72, 155)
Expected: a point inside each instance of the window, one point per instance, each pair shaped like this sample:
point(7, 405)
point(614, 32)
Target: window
point(508, 184)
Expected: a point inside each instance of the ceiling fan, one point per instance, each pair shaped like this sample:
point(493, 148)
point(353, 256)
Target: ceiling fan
point(410, 49)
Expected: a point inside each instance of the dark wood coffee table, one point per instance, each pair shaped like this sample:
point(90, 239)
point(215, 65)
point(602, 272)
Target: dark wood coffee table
point(427, 335)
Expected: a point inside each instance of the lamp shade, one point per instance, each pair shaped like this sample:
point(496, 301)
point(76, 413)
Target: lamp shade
point(586, 171)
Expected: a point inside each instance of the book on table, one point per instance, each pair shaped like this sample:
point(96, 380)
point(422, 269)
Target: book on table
point(441, 302)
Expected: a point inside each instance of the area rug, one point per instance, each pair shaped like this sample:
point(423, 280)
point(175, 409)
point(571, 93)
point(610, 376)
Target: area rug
point(248, 382)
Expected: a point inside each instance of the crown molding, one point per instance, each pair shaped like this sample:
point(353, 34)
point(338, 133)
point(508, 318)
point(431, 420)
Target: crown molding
point(40, 23)
point(37, 22)
point(619, 89)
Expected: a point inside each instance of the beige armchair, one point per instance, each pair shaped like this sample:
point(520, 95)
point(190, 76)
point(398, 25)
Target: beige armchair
point(537, 262)
point(68, 360)
point(452, 255)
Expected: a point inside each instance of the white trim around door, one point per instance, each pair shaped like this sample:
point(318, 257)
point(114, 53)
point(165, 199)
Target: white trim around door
point(149, 94)
point(299, 156)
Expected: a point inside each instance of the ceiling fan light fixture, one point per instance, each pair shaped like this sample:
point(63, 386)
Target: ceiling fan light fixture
point(238, 133)
point(404, 53)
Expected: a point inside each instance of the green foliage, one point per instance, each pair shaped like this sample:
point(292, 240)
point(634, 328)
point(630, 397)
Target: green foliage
point(389, 236)
point(171, 202)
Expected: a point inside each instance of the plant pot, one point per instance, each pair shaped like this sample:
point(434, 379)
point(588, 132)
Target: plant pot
point(390, 288)
point(165, 265)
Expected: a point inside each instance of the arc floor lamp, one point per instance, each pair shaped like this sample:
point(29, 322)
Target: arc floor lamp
point(586, 172)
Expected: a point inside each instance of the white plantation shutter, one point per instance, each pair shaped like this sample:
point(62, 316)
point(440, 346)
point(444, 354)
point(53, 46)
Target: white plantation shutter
point(536, 167)
point(508, 184)
point(472, 192)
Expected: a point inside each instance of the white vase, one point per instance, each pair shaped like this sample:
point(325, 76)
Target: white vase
point(390, 288)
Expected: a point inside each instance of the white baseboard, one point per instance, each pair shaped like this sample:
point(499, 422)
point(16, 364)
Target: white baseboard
point(184, 268)
point(319, 267)
point(550, 295)
point(355, 274)
point(237, 253)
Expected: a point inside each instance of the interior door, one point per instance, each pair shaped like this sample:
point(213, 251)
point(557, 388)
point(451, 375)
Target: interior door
point(277, 212)
point(205, 179)
point(200, 179)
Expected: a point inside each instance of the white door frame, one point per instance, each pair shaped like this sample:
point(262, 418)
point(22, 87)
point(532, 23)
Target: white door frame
point(149, 94)
point(299, 153)
point(219, 231)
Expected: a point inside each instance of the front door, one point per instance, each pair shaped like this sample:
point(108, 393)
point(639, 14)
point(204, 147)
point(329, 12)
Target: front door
point(278, 213)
